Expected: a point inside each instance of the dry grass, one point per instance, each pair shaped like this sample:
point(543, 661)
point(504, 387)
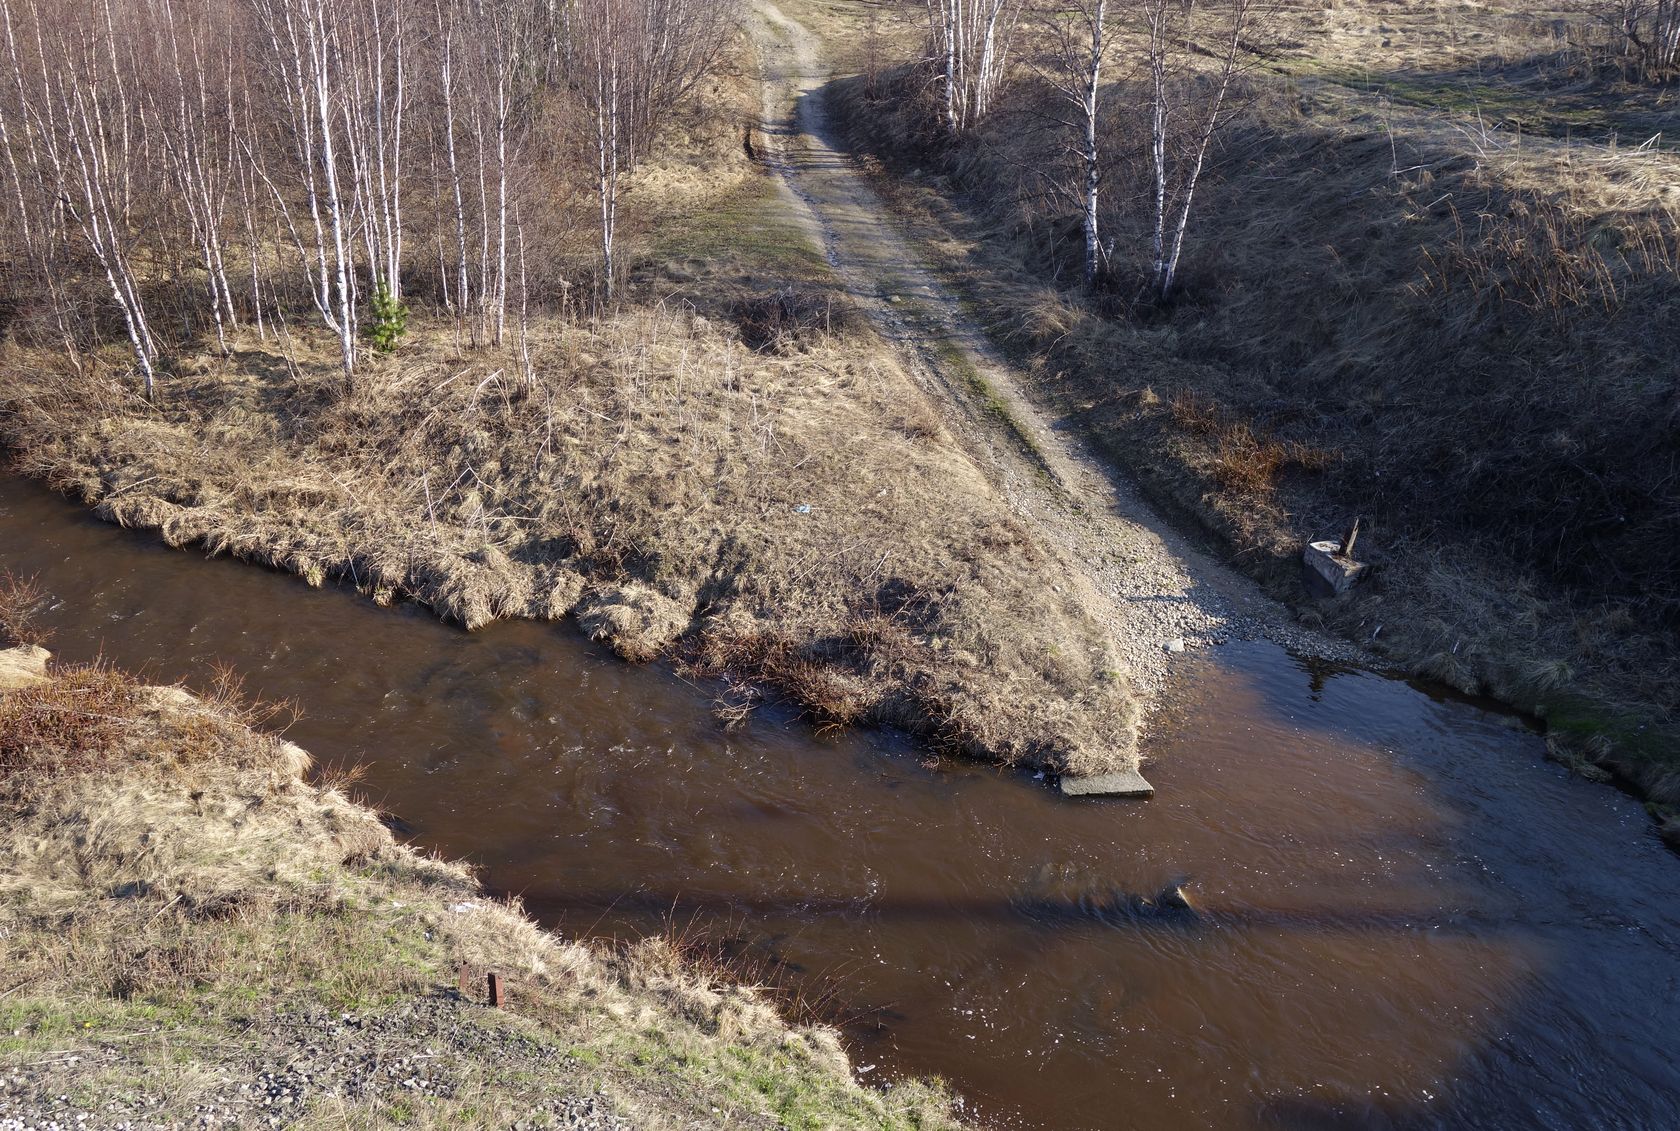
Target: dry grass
point(793, 316)
point(1399, 303)
point(169, 882)
point(651, 475)
point(80, 722)
point(1245, 462)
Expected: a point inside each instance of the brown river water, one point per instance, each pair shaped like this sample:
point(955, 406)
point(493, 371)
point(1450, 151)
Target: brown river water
point(1408, 918)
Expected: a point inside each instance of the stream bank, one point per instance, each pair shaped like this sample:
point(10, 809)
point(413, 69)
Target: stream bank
point(193, 935)
point(1272, 402)
point(1406, 916)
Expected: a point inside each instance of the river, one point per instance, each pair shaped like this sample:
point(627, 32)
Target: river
point(1407, 918)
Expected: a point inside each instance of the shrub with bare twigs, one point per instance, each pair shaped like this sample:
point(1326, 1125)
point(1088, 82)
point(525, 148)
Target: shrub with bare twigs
point(21, 602)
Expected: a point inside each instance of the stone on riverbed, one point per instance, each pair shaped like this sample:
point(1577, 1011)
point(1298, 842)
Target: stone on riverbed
point(1122, 783)
point(1173, 897)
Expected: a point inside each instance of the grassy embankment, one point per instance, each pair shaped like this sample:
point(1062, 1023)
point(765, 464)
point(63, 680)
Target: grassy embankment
point(726, 469)
point(193, 934)
point(1398, 302)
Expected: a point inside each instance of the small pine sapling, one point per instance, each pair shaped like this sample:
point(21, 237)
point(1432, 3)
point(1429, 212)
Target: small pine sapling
point(390, 320)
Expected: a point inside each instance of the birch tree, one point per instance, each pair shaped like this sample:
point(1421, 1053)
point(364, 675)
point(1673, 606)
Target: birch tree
point(1649, 33)
point(600, 29)
point(1190, 101)
point(447, 50)
point(374, 113)
point(190, 108)
point(17, 138)
point(1074, 73)
point(306, 59)
point(973, 40)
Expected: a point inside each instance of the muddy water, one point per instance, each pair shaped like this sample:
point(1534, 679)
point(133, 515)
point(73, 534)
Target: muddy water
point(1410, 919)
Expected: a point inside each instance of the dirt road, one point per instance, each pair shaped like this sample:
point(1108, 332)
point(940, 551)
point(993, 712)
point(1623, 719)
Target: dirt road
point(1145, 583)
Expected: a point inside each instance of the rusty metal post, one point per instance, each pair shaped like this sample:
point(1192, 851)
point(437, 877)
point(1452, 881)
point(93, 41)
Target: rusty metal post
point(496, 993)
point(463, 980)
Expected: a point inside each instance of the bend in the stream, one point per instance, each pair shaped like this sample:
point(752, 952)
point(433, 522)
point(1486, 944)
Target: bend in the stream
point(1405, 916)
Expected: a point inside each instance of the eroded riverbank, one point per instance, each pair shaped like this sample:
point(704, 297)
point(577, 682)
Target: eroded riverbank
point(1408, 916)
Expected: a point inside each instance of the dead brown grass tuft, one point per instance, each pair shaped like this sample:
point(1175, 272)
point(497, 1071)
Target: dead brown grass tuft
point(92, 718)
point(1245, 461)
point(794, 316)
point(829, 683)
point(81, 720)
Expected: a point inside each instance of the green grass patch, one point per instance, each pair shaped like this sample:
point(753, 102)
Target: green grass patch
point(1579, 720)
point(747, 229)
point(985, 394)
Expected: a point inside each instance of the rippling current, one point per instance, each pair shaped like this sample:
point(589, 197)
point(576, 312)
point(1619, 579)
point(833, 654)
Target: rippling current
point(1406, 917)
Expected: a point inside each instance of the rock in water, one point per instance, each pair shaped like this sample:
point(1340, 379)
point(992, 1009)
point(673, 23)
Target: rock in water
point(1173, 897)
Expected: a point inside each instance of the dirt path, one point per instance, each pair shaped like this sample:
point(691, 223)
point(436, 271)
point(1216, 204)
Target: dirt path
point(1146, 584)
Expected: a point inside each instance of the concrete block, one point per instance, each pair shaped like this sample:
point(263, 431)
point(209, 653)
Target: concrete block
point(1328, 570)
point(1124, 783)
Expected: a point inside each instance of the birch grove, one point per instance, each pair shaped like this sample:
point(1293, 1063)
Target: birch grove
point(181, 172)
point(1123, 103)
point(972, 40)
point(1189, 103)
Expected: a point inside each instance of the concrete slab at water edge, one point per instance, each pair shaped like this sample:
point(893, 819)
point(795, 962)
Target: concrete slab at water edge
point(1329, 568)
point(1124, 783)
point(24, 666)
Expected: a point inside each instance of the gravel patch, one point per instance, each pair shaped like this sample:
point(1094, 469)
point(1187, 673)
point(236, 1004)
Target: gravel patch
point(291, 1063)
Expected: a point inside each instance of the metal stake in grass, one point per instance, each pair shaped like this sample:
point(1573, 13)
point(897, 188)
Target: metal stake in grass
point(497, 997)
